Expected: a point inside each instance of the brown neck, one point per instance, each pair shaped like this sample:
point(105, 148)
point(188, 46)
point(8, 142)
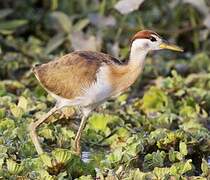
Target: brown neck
point(125, 75)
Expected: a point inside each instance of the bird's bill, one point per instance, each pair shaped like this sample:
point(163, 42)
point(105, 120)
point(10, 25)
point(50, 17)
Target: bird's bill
point(165, 45)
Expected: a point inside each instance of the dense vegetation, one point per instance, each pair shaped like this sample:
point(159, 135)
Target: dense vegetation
point(159, 129)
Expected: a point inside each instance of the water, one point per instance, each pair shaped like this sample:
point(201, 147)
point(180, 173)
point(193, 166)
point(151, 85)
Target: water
point(86, 156)
point(208, 160)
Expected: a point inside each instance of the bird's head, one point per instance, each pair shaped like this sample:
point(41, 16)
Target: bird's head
point(147, 40)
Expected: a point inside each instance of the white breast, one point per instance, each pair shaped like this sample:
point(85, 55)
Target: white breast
point(97, 93)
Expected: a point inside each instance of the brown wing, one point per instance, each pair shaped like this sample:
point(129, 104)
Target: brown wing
point(69, 75)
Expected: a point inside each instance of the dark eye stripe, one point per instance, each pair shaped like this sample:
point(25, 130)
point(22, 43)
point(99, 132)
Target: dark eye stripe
point(152, 38)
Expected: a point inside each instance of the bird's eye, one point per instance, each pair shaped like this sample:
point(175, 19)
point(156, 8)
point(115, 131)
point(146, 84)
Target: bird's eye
point(152, 39)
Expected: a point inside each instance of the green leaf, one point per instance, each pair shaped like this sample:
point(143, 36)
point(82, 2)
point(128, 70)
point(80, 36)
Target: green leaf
point(3, 149)
point(137, 174)
point(175, 155)
point(13, 167)
point(115, 156)
point(187, 111)
point(181, 167)
point(187, 166)
point(2, 113)
point(156, 159)
point(16, 111)
point(89, 177)
point(5, 12)
point(6, 124)
point(46, 159)
point(81, 24)
point(183, 148)
point(46, 133)
point(205, 168)
point(100, 121)
point(169, 139)
point(12, 25)
point(54, 43)
point(134, 148)
point(23, 103)
point(60, 21)
point(154, 100)
point(43, 174)
point(157, 134)
point(1, 162)
point(67, 133)
point(54, 4)
point(62, 155)
point(162, 173)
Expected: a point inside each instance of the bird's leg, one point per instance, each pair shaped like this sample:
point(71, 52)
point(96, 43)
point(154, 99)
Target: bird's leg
point(86, 113)
point(34, 125)
point(79, 133)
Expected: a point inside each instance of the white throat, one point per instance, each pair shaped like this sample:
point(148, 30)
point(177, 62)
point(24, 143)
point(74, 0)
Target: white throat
point(138, 54)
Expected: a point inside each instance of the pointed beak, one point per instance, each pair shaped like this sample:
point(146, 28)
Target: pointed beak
point(166, 45)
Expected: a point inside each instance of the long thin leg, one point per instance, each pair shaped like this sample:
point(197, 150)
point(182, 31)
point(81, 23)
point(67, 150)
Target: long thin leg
point(34, 125)
point(86, 113)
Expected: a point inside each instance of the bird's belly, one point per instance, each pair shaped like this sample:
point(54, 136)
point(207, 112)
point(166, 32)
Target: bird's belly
point(96, 94)
point(93, 96)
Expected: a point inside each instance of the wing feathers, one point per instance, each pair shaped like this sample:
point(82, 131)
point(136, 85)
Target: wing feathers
point(68, 76)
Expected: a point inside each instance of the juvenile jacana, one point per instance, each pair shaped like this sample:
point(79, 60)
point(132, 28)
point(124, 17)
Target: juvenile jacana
point(86, 79)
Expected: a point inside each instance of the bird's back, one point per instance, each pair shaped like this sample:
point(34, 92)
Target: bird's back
point(71, 75)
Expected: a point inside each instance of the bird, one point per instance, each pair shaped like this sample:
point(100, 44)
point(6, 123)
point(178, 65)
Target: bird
point(86, 79)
